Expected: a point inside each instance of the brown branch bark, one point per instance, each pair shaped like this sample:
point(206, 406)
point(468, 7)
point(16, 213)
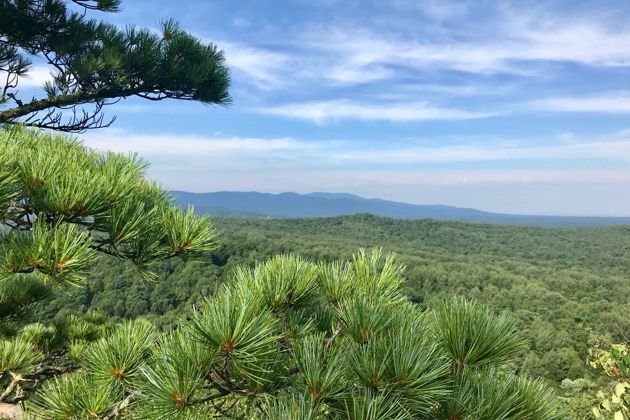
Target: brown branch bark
point(118, 408)
point(41, 104)
point(332, 338)
point(70, 99)
point(9, 389)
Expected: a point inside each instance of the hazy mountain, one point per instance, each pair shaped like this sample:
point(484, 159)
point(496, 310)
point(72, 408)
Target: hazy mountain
point(321, 204)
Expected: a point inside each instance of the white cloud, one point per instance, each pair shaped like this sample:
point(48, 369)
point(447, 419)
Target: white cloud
point(324, 111)
point(605, 150)
point(348, 74)
point(263, 67)
point(501, 40)
point(506, 42)
point(611, 102)
point(301, 154)
point(36, 77)
point(174, 146)
point(458, 89)
point(584, 43)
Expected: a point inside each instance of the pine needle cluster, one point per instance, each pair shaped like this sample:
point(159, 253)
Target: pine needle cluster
point(61, 204)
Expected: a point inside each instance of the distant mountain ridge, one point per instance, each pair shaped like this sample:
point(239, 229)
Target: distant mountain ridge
point(322, 204)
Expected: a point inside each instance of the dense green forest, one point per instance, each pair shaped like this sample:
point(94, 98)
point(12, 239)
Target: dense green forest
point(568, 288)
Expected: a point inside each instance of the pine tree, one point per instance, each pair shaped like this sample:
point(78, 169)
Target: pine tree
point(95, 64)
point(61, 205)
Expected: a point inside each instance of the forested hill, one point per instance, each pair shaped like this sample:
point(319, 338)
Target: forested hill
point(596, 248)
point(292, 205)
point(568, 288)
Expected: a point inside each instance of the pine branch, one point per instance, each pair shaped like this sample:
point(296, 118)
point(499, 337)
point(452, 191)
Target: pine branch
point(58, 101)
point(121, 406)
point(333, 337)
point(109, 6)
point(211, 397)
point(15, 380)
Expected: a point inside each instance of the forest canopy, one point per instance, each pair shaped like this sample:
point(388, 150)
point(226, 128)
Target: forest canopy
point(567, 289)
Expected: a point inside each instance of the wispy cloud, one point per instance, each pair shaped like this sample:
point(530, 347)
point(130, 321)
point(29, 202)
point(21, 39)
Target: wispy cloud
point(36, 77)
point(323, 111)
point(259, 151)
point(360, 51)
point(521, 44)
point(602, 150)
point(168, 146)
point(610, 102)
point(263, 67)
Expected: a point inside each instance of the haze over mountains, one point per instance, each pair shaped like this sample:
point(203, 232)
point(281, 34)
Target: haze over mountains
point(321, 204)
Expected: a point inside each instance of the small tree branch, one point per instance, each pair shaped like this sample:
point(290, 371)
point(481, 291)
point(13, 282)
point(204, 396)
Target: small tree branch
point(118, 408)
point(333, 337)
point(39, 105)
point(11, 387)
point(211, 397)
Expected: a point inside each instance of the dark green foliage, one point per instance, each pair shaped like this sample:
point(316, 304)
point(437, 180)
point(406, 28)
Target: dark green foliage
point(563, 287)
point(18, 292)
point(95, 63)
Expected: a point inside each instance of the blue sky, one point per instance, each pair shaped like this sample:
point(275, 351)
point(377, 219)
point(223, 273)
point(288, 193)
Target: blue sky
point(519, 107)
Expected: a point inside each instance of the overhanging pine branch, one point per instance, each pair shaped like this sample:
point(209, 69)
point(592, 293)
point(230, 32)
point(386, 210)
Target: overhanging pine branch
point(58, 101)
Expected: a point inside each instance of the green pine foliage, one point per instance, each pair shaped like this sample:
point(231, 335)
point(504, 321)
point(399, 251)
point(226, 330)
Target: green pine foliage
point(17, 356)
point(68, 203)
point(115, 360)
point(487, 340)
point(62, 205)
point(235, 355)
point(72, 396)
